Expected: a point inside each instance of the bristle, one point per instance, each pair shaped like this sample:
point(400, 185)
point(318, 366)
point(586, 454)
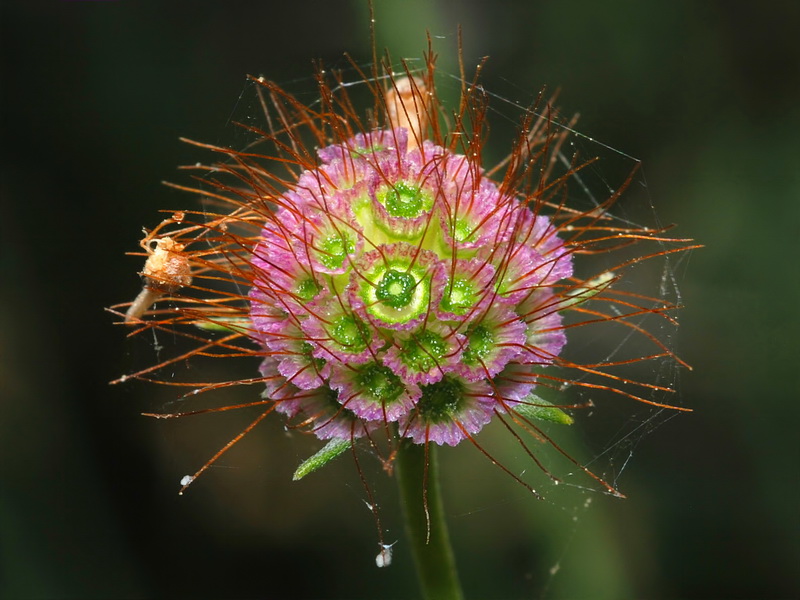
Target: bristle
point(381, 274)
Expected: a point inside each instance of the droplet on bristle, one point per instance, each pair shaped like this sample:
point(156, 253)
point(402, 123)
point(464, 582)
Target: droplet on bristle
point(384, 558)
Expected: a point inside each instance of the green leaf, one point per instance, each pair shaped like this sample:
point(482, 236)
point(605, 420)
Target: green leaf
point(331, 450)
point(534, 407)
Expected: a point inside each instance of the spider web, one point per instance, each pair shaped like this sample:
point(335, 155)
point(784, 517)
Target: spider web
point(613, 443)
point(606, 436)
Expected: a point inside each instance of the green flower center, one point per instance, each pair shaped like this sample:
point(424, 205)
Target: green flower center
point(462, 231)
point(306, 289)
point(350, 333)
point(480, 344)
point(396, 289)
point(334, 248)
point(441, 400)
point(423, 351)
point(460, 296)
point(306, 351)
point(379, 383)
point(396, 292)
point(330, 407)
point(405, 200)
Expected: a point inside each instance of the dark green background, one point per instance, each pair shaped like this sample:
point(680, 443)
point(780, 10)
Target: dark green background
point(94, 98)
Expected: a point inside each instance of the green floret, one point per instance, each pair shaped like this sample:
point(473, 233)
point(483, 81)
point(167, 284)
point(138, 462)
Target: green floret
point(334, 248)
point(306, 289)
point(350, 333)
point(397, 292)
point(441, 400)
point(405, 200)
point(480, 344)
point(423, 351)
point(379, 383)
point(460, 296)
point(463, 231)
point(396, 289)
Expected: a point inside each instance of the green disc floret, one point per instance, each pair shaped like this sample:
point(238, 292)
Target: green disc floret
point(423, 351)
point(462, 231)
point(441, 400)
point(331, 397)
point(397, 292)
point(396, 289)
point(379, 383)
point(350, 333)
point(306, 289)
point(480, 344)
point(459, 296)
point(405, 200)
point(334, 248)
point(328, 407)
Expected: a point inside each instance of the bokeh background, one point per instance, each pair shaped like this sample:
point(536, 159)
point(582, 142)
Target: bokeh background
point(94, 98)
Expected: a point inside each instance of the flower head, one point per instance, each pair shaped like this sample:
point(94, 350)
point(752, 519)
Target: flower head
point(386, 281)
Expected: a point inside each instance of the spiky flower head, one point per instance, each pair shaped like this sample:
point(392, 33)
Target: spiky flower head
point(393, 285)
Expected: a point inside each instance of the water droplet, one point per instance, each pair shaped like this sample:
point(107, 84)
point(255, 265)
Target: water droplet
point(384, 558)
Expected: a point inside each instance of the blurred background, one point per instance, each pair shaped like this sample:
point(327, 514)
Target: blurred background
point(94, 98)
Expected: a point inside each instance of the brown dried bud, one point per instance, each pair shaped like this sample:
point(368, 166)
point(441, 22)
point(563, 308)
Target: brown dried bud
point(166, 271)
point(407, 106)
point(167, 268)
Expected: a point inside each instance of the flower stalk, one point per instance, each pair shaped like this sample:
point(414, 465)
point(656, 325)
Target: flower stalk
point(417, 475)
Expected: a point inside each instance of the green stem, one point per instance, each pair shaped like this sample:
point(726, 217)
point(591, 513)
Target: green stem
point(417, 477)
